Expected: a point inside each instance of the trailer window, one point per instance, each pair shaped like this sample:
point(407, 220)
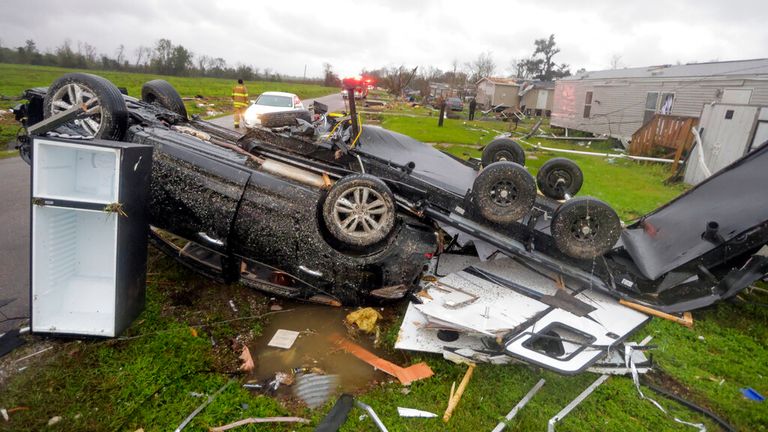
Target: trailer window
point(588, 104)
point(665, 104)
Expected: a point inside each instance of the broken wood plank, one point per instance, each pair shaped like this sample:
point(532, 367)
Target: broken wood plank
point(686, 320)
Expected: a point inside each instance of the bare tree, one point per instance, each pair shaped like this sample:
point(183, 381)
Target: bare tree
point(120, 54)
point(482, 67)
point(396, 79)
point(615, 61)
point(142, 55)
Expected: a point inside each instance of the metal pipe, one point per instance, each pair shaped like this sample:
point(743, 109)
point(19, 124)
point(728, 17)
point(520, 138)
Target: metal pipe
point(606, 155)
point(373, 415)
point(523, 402)
point(580, 398)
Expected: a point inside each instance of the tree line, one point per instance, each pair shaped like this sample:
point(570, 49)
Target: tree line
point(164, 58)
point(463, 76)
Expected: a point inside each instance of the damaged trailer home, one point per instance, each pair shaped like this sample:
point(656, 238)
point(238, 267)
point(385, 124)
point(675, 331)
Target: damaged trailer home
point(618, 102)
point(336, 212)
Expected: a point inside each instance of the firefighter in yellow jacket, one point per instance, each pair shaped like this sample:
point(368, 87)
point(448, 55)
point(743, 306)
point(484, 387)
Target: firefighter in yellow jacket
point(240, 100)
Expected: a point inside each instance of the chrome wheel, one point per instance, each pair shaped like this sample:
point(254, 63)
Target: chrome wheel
point(360, 212)
point(75, 94)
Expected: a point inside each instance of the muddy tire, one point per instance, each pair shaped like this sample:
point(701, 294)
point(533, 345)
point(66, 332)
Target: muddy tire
point(162, 93)
point(504, 192)
point(585, 227)
point(284, 118)
point(359, 210)
point(558, 177)
point(109, 115)
point(503, 149)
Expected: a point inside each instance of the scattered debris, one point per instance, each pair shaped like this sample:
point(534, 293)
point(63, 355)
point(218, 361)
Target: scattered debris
point(254, 420)
point(315, 390)
point(283, 339)
point(54, 420)
point(523, 402)
point(232, 306)
point(247, 359)
point(636, 380)
point(337, 415)
point(568, 408)
point(405, 375)
point(365, 319)
point(33, 354)
point(376, 420)
point(412, 412)
point(202, 406)
point(686, 320)
point(521, 312)
point(752, 394)
point(454, 398)
point(4, 413)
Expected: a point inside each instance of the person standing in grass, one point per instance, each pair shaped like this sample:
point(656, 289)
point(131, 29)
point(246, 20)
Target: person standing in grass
point(472, 108)
point(240, 101)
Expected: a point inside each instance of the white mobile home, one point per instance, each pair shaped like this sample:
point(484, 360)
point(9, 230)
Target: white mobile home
point(618, 102)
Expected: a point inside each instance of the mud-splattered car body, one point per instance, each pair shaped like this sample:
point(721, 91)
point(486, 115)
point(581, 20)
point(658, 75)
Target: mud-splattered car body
point(217, 213)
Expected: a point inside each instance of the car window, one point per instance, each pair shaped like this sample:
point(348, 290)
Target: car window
point(275, 101)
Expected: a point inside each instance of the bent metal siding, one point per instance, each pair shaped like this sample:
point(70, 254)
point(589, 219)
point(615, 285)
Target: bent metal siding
point(618, 105)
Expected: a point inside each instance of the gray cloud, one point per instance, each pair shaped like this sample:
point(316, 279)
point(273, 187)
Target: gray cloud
point(352, 35)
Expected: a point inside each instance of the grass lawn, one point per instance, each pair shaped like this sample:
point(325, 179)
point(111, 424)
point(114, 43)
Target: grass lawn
point(17, 78)
point(146, 381)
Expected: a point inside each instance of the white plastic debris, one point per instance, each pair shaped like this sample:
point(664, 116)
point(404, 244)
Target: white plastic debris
point(412, 412)
point(283, 339)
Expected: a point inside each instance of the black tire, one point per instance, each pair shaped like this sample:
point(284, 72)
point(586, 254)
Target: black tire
point(558, 177)
point(113, 117)
point(359, 210)
point(162, 93)
point(284, 118)
point(504, 192)
point(503, 149)
point(585, 227)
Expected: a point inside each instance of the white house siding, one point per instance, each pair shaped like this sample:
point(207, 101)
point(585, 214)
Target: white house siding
point(484, 93)
point(618, 105)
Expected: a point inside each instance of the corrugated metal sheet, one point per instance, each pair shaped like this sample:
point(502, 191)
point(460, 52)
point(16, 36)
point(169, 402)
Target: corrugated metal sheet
point(315, 389)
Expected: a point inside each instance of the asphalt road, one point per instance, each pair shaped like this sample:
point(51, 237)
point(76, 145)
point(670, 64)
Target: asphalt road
point(334, 101)
point(14, 240)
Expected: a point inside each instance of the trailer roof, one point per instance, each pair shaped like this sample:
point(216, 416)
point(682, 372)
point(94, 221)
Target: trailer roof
point(692, 70)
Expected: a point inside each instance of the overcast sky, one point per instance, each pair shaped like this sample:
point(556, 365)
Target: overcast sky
point(351, 35)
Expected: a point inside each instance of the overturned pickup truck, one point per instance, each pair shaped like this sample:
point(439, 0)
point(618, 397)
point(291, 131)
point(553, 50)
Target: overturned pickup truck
point(326, 209)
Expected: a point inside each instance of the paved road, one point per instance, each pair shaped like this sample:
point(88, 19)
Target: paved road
point(334, 101)
point(14, 239)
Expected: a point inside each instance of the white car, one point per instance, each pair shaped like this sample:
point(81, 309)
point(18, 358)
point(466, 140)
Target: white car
point(269, 102)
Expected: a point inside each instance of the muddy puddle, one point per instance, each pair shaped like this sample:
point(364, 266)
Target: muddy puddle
point(313, 349)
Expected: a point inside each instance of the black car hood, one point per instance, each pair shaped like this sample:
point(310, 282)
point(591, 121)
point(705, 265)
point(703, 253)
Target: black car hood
point(432, 165)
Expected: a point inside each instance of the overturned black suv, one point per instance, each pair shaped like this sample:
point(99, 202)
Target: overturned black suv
point(323, 208)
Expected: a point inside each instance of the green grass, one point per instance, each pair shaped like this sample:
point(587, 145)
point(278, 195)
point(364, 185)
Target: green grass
point(17, 78)
point(8, 153)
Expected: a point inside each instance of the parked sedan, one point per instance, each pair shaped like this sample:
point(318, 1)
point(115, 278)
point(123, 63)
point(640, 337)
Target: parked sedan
point(270, 102)
point(454, 104)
